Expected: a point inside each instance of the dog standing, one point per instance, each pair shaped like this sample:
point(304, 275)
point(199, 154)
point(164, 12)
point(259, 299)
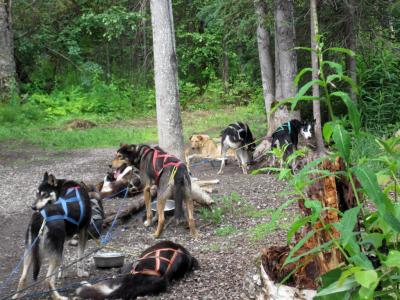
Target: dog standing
point(288, 134)
point(168, 173)
point(238, 137)
point(151, 274)
point(62, 209)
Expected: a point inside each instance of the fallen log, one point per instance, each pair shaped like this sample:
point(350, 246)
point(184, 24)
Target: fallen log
point(135, 206)
point(333, 192)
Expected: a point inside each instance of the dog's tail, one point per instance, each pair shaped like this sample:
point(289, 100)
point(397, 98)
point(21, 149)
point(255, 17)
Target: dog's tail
point(182, 182)
point(101, 290)
point(32, 234)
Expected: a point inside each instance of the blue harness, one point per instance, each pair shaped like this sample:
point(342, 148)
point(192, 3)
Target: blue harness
point(283, 127)
point(64, 204)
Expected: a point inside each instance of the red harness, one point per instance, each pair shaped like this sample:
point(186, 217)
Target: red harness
point(168, 160)
point(156, 254)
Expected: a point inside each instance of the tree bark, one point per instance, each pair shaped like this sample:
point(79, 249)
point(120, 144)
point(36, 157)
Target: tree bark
point(315, 68)
point(267, 72)
point(169, 120)
point(351, 43)
point(7, 62)
point(285, 60)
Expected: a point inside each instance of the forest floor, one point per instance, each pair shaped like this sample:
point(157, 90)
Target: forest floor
point(227, 248)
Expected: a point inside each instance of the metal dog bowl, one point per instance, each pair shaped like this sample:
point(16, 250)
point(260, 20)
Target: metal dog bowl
point(169, 205)
point(109, 260)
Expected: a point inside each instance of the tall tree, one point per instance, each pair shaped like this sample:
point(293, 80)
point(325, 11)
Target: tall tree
point(169, 122)
point(314, 64)
point(351, 42)
point(7, 62)
point(285, 60)
point(263, 42)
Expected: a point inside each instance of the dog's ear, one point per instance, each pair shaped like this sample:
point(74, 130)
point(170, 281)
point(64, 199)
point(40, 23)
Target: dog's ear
point(131, 148)
point(200, 137)
point(190, 138)
point(52, 180)
point(46, 176)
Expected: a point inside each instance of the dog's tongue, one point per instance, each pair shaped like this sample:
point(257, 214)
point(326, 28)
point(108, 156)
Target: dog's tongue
point(117, 172)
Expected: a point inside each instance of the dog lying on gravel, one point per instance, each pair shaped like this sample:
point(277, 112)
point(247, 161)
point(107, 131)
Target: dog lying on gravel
point(150, 274)
point(202, 146)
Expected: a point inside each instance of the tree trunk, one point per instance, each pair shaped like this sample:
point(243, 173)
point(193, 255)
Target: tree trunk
point(267, 72)
point(315, 68)
point(351, 43)
point(7, 62)
point(225, 66)
point(285, 60)
point(169, 120)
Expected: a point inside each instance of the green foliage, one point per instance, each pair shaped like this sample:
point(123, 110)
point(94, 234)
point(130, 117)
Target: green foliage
point(359, 277)
point(223, 206)
point(225, 231)
point(378, 71)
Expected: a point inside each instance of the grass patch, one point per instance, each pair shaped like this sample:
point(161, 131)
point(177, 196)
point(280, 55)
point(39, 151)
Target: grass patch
point(223, 206)
point(259, 231)
point(225, 231)
point(53, 136)
point(253, 212)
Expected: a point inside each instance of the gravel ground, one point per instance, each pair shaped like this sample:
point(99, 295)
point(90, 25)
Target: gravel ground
point(229, 262)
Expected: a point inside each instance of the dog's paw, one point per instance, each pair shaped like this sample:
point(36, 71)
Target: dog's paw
point(82, 273)
point(156, 235)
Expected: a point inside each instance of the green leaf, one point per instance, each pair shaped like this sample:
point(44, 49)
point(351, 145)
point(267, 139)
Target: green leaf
point(347, 223)
point(334, 65)
point(393, 259)
point(366, 278)
point(371, 187)
point(303, 90)
point(342, 50)
point(327, 131)
point(300, 75)
point(304, 48)
point(342, 141)
point(296, 226)
point(354, 114)
point(373, 238)
point(334, 288)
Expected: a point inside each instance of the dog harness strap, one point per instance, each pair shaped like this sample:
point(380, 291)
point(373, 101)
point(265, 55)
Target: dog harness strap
point(64, 204)
point(283, 126)
point(165, 157)
point(158, 258)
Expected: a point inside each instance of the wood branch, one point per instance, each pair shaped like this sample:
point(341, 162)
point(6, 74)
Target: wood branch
point(127, 213)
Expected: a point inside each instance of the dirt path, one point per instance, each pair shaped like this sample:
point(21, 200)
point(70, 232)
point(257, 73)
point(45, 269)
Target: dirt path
point(226, 249)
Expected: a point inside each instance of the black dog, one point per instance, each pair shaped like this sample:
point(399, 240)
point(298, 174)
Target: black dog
point(168, 173)
point(238, 137)
point(151, 274)
point(52, 223)
point(288, 135)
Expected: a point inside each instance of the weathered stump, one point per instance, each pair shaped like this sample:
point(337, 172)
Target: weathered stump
point(333, 192)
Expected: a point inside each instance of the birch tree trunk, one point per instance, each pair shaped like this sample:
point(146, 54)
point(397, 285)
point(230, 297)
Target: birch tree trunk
point(285, 59)
point(264, 54)
point(7, 62)
point(351, 43)
point(315, 68)
point(169, 120)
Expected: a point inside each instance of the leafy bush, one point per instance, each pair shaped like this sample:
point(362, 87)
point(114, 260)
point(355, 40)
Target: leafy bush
point(379, 73)
point(371, 254)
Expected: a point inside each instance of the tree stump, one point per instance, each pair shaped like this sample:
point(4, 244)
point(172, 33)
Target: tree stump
point(331, 191)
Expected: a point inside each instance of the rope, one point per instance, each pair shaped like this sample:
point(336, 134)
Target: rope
point(18, 265)
point(256, 140)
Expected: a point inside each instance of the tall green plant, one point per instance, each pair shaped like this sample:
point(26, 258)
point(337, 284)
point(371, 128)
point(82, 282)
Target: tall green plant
point(372, 258)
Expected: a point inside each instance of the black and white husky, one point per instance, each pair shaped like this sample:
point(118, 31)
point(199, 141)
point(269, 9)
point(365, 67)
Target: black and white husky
point(238, 137)
point(62, 209)
point(288, 135)
point(151, 274)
